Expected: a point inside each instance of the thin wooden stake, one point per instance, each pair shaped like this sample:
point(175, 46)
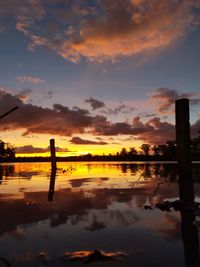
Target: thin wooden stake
point(8, 112)
point(53, 170)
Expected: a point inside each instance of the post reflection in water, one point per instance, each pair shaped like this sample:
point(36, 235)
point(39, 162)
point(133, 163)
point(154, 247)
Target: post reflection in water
point(53, 170)
point(189, 230)
point(52, 183)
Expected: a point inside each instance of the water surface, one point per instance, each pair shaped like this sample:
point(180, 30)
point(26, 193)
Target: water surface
point(94, 206)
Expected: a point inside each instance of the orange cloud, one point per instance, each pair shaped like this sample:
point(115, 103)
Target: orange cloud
point(130, 27)
point(102, 29)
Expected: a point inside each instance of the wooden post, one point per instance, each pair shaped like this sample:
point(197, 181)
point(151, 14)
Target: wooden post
point(53, 170)
point(183, 138)
point(186, 190)
point(53, 153)
point(183, 151)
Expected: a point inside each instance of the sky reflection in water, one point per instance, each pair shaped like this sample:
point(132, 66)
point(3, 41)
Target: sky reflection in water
point(95, 206)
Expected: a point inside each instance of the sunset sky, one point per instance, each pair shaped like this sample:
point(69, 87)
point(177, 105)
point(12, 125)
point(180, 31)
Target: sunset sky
point(96, 75)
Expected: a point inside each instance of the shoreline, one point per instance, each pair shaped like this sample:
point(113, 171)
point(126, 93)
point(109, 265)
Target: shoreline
point(93, 159)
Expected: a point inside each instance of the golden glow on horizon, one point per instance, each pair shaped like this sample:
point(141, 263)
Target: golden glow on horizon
point(78, 150)
point(115, 144)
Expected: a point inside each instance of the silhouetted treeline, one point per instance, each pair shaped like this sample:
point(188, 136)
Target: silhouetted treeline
point(147, 152)
point(163, 152)
point(167, 151)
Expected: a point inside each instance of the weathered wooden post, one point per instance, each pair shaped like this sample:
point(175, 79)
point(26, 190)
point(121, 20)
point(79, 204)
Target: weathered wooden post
point(53, 153)
point(53, 170)
point(183, 139)
point(183, 151)
point(186, 190)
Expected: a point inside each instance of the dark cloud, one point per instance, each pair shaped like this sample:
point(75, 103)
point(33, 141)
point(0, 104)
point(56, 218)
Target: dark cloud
point(95, 104)
point(121, 108)
point(153, 131)
point(99, 138)
point(79, 141)
point(118, 128)
point(49, 94)
point(159, 132)
point(31, 149)
point(60, 120)
point(146, 115)
point(168, 96)
point(63, 121)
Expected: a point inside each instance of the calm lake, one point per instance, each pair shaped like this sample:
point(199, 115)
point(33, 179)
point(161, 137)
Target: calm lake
point(103, 214)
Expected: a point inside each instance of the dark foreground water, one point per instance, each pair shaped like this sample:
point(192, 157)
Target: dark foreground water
point(103, 214)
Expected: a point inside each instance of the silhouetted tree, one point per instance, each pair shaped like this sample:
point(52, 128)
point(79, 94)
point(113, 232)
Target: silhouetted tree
point(195, 145)
point(171, 149)
point(145, 148)
point(132, 151)
point(123, 152)
point(6, 150)
point(156, 150)
point(163, 149)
